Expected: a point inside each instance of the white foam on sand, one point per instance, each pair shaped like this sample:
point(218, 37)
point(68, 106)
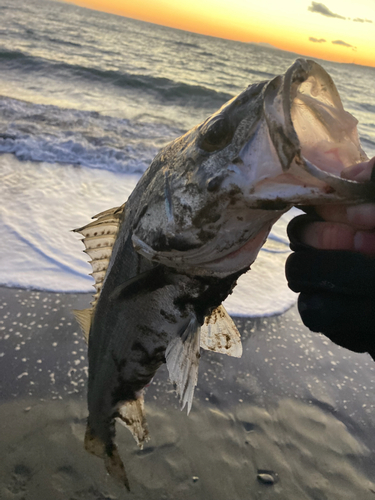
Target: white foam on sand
point(41, 203)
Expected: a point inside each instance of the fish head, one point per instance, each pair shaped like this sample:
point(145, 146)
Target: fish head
point(212, 195)
point(285, 141)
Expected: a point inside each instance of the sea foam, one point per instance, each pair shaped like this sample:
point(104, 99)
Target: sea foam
point(42, 203)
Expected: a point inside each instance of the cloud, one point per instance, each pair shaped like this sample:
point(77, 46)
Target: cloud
point(317, 40)
point(359, 20)
point(344, 44)
point(320, 8)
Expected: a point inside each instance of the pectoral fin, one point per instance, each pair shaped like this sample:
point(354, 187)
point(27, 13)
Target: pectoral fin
point(220, 334)
point(182, 356)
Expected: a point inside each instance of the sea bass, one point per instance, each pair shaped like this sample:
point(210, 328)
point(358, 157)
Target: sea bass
point(165, 260)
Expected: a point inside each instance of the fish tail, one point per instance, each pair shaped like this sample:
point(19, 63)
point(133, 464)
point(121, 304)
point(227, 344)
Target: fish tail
point(115, 467)
point(109, 453)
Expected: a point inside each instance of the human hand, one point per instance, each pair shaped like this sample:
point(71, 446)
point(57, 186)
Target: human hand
point(345, 227)
point(333, 268)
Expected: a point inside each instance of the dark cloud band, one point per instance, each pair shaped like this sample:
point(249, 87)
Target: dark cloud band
point(320, 8)
point(317, 40)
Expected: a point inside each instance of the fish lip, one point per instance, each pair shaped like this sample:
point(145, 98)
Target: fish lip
point(348, 189)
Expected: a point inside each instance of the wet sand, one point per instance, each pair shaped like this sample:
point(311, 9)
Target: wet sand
point(292, 419)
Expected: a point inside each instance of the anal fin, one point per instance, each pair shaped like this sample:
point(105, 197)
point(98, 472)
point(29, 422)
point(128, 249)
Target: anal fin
point(131, 415)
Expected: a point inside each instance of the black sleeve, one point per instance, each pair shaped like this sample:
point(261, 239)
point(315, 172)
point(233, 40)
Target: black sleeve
point(337, 290)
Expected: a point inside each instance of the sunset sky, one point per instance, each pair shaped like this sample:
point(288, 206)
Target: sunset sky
point(337, 30)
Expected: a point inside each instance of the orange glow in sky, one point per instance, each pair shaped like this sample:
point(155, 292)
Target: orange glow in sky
point(336, 30)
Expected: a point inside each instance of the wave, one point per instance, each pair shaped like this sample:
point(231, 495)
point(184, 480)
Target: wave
point(52, 134)
point(367, 106)
point(163, 88)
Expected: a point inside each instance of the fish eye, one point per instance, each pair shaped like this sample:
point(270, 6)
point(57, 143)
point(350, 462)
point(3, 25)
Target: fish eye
point(216, 134)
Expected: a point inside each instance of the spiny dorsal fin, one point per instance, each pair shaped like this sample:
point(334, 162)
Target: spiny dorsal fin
point(84, 317)
point(220, 334)
point(98, 237)
point(182, 356)
point(131, 414)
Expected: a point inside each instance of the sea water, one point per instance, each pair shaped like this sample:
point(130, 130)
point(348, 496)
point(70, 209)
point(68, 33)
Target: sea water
point(86, 101)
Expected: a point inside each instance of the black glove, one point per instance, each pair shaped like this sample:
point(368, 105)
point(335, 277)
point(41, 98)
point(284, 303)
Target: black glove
point(337, 290)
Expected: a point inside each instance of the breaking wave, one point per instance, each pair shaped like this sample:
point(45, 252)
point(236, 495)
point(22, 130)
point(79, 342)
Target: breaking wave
point(55, 135)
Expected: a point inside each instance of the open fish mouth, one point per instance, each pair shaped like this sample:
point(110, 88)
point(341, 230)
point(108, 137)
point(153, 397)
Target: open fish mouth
point(305, 139)
point(279, 143)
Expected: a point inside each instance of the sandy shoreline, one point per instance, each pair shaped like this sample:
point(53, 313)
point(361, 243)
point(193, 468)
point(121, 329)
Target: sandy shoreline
point(295, 406)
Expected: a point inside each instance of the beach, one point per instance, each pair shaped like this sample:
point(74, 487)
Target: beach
point(292, 419)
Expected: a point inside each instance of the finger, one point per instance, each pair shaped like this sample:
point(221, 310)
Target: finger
point(361, 216)
point(340, 272)
point(347, 321)
point(364, 242)
point(329, 236)
point(358, 216)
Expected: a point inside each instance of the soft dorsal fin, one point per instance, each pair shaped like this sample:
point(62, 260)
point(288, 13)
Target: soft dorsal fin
point(182, 356)
point(220, 334)
point(98, 237)
point(84, 317)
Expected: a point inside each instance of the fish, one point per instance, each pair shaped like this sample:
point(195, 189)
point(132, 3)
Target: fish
point(165, 260)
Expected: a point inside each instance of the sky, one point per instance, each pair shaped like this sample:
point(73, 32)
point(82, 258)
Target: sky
point(335, 30)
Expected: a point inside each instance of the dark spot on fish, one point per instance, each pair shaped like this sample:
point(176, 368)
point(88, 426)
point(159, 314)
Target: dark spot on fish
point(124, 391)
point(211, 294)
point(169, 317)
point(210, 213)
point(239, 218)
point(178, 243)
point(234, 194)
point(159, 241)
point(276, 204)
point(214, 183)
point(155, 357)
point(237, 161)
point(193, 189)
point(206, 236)
point(143, 211)
point(120, 363)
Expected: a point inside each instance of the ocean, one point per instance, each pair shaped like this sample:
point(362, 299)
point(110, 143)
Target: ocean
point(86, 101)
